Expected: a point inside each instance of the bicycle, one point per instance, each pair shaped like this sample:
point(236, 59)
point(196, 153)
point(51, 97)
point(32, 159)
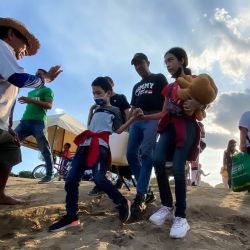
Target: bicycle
point(60, 169)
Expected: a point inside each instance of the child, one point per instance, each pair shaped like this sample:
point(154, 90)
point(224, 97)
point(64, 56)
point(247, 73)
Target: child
point(197, 176)
point(224, 175)
point(227, 158)
point(119, 101)
point(66, 153)
point(179, 134)
point(66, 156)
point(94, 152)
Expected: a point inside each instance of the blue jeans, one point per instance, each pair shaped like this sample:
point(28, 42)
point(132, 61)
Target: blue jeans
point(99, 175)
point(37, 129)
point(165, 150)
point(141, 142)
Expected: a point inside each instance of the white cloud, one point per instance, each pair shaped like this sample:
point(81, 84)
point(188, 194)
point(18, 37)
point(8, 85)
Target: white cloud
point(229, 107)
point(227, 45)
point(59, 111)
point(222, 16)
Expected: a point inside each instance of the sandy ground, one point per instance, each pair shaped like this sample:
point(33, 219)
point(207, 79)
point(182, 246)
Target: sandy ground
point(219, 219)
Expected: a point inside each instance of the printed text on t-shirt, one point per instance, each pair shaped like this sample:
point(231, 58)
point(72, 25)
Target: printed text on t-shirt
point(146, 88)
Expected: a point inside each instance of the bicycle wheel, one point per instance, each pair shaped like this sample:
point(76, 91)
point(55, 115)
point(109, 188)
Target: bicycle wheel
point(39, 171)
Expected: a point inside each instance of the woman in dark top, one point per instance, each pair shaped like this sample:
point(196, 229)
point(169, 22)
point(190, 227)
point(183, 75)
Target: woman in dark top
point(227, 158)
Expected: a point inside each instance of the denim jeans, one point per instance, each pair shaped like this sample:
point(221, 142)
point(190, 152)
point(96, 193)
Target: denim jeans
point(165, 151)
point(99, 175)
point(37, 129)
point(141, 142)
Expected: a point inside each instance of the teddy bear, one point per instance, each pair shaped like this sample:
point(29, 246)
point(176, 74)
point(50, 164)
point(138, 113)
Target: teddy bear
point(202, 88)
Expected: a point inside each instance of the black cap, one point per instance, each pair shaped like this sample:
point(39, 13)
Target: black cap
point(139, 57)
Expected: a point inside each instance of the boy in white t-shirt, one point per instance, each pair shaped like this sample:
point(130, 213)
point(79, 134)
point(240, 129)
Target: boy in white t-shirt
point(15, 43)
point(244, 126)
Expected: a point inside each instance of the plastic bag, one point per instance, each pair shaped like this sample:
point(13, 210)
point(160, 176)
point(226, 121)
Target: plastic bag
point(240, 172)
point(118, 146)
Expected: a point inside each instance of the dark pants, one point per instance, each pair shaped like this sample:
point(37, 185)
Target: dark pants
point(99, 175)
point(37, 129)
point(164, 151)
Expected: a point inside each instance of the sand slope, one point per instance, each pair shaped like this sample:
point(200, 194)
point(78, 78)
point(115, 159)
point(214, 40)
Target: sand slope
point(219, 220)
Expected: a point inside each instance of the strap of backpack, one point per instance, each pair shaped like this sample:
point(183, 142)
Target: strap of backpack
point(248, 138)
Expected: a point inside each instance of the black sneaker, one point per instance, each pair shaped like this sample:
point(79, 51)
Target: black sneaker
point(150, 197)
point(95, 192)
point(45, 179)
point(138, 207)
point(65, 222)
point(124, 210)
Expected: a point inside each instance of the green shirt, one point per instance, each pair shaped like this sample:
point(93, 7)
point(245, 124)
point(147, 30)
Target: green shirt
point(33, 111)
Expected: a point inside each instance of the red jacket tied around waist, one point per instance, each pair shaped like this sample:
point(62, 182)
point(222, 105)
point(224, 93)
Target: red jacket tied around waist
point(94, 150)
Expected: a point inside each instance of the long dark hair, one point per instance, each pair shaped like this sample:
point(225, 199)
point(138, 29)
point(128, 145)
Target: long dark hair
point(180, 54)
point(231, 146)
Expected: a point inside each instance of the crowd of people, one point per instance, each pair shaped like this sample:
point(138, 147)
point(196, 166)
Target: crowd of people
point(155, 108)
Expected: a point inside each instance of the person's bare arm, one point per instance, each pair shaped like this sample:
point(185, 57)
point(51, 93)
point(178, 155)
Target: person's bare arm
point(42, 104)
point(125, 125)
point(127, 112)
point(133, 116)
point(131, 110)
point(52, 74)
point(156, 116)
point(91, 112)
point(243, 135)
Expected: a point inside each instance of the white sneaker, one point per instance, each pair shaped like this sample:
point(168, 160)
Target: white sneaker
point(179, 228)
point(163, 214)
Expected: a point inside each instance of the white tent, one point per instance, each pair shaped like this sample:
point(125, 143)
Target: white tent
point(61, 128)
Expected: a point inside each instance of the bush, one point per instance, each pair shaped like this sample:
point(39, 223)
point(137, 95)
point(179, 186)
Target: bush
point(25, 174)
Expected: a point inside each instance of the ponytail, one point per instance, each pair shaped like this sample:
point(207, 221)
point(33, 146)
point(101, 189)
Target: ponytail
point(187, 71)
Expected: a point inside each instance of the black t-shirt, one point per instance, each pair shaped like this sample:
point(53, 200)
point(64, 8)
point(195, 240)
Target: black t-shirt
point(147, 93)
point(120, 101)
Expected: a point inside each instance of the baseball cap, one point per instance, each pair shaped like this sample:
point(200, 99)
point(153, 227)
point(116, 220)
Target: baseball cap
point(139, 57)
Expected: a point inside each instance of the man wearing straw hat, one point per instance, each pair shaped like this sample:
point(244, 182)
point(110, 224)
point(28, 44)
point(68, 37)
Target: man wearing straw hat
point(15, 43)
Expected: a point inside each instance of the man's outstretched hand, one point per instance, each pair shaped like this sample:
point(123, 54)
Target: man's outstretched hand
point(52, 74)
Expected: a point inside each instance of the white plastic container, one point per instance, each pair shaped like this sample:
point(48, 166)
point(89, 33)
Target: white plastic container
point(118, 146)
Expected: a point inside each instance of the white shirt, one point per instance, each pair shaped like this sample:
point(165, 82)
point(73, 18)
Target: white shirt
point(8, 92)
point(245, 123)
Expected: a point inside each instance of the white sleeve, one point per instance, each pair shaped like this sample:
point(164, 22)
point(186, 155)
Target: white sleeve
point(245, 120)
point(8, 62)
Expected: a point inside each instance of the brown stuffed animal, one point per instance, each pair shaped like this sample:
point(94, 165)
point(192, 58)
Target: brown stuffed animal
point(202, 88)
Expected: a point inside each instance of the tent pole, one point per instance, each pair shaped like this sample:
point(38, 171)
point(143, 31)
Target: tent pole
point(53, 139)
point(64, 131)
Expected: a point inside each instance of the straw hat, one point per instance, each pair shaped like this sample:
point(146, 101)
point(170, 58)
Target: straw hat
point(33, 43)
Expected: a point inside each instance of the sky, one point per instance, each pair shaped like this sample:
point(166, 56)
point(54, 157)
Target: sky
point(91, 38)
